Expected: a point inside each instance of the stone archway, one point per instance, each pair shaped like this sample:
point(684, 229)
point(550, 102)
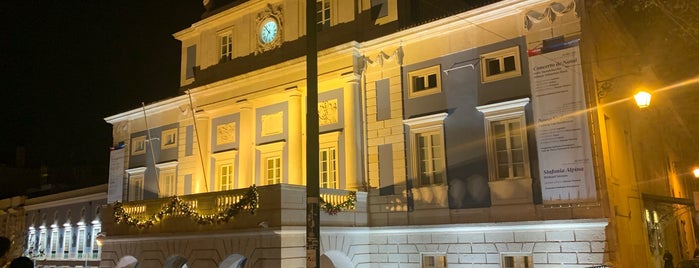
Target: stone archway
point(234, 261)
point(127, 261)
point(335, 259)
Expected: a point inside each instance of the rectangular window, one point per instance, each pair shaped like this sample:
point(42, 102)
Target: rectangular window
point(191, 61)
point(31, 241)
point(42, 242)
point(169, 138)
point(54, 243)
point(506, 139)
point(424, 81)
point(509, 150)
point(66, 243)
point(500, 64)
point(328, 167)
point(136, 188)
point(225, 46)
point(426, 144)
point(138, 145)
point(96, 248)
point(434, 261)
point(225, 177)
point(274, 170)
point(517, 261)
point(80, 247)
point(323, 14)
point(168, 183)
point(430, 157)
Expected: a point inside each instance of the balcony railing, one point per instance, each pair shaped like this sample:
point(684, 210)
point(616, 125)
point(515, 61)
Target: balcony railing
point(277, 205)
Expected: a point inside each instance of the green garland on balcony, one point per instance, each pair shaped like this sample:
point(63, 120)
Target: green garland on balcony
point(247, 203)
point(349, 204)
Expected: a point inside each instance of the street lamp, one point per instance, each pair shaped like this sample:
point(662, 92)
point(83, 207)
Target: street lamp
point(642, 99)
point(696, 172)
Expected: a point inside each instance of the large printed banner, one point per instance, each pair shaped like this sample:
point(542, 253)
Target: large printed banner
point(562, 136)
point(116, 176)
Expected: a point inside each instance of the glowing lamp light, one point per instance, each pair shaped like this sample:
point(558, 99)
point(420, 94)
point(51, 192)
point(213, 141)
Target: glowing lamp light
point(642, 99)
point(696, 172)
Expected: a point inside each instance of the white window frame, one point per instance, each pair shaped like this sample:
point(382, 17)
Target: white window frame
point(138, 145)
point(322, 22)
point(424, 73)
point(168, 138)
point(43, 237)
point(499, 112)
point(500, 56)
point(267, 152)
point(136, 178)
point(167, 178)
point(225, 50)
point(96, 248)
point(430, 124)
point(328, 143)
point(80, 242)
point(31, 240)
point(67, 237)
point(439, 260)
point(520, 260)
point(53, 247)
point(225, 160)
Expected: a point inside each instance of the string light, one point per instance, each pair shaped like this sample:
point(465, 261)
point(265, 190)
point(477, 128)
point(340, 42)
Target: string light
point(176, 205)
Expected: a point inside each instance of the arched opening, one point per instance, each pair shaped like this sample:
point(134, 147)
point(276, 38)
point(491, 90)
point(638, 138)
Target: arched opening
point(175, 262)
point(234, 261)
point(127, 262)
point(335, 259)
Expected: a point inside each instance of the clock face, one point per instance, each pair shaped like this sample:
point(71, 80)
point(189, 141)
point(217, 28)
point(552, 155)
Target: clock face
point(268, 32)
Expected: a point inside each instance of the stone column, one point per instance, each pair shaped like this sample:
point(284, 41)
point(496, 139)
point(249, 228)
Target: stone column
point(294, 156)
point(246, 146)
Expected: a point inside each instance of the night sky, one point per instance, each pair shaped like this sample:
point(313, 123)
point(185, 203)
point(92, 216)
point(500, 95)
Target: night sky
point(67, 64)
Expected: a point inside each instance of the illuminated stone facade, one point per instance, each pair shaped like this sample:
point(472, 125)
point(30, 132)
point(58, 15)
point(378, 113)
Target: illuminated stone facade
point(430, 119)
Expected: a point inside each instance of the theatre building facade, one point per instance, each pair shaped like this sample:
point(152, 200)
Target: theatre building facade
point(449, 137)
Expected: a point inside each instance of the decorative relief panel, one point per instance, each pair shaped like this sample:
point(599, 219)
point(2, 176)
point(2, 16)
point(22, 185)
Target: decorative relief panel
point(327, 112)
point(225, 133)
point(272, 124)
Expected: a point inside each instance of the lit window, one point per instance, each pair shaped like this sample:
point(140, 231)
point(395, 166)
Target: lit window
point(138, 145)
point(80, 247)
point(328, 167)
point(225, 46)
point(168, 184)
point(506, 139)
point(225, 177)
point(323, 14)
point(516, 261)
point(273, 170)
point(328, 160)
point(136, 188)
point(434, 261)
point(31, 241)
point(427, 149)
point(271, 159)
point(96, 248)
point(42, 242)
point(424, 82)
point(501, 64)
point(54, 243)
point(66, 242)
point(169, 138)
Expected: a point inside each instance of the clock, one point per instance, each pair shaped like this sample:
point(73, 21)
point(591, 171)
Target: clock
point(269, 30)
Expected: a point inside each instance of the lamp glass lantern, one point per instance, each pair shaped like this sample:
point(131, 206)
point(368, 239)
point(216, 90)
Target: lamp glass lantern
point(642, 99)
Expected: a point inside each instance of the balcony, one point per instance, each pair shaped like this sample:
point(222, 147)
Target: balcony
point(277, 205)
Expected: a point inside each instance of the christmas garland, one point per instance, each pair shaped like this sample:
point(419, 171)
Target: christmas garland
point(334, 209)
point(247, 203)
